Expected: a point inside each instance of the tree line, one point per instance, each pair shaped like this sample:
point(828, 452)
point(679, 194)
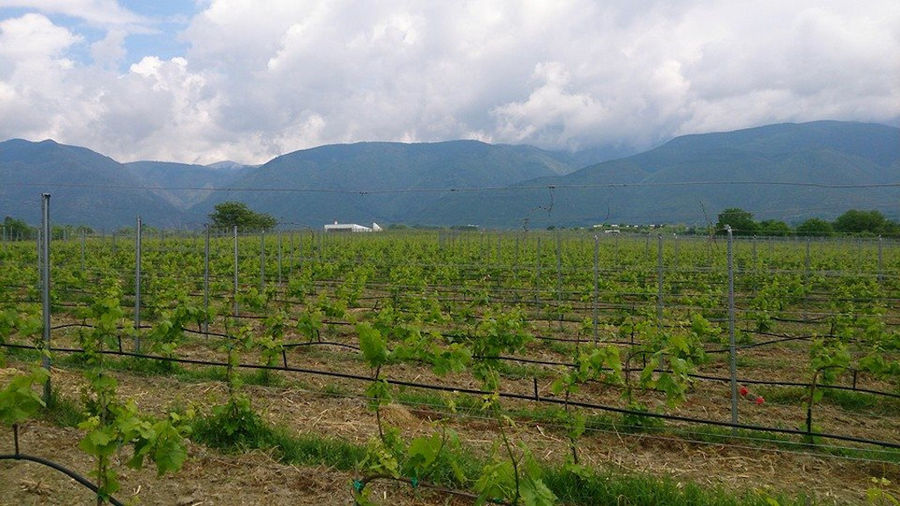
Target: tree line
point(853, 222)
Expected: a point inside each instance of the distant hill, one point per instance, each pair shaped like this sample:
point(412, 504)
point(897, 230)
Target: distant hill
point(372, 181)
point(691, 179)
point(184, 185)
point(86, 187)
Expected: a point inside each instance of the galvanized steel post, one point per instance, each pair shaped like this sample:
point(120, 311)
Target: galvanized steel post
point(137, 287)
point(206, 281)
point(235, 271)
point(44, 254)
point(732, 349)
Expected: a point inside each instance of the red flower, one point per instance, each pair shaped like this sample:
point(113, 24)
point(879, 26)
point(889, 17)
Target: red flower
point(760, 400)
point(743, 391)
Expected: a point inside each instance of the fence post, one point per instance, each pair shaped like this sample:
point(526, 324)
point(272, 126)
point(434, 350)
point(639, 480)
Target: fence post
point(40, 257)
point(880, 262)
point(596, 284)
point(659, 281)
point(235, 271)
point(559, 280)
point(537, 279)
point(206, 282)
point(806, 278)
point(44, 254)
point(732, 349)
point(137, 287)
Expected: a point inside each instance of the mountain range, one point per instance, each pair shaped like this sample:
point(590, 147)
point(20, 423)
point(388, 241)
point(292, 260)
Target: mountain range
point(784, 171)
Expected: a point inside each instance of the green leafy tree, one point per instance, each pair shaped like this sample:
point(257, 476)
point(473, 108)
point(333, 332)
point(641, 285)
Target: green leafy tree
point(774, 228)
point(231, 213)
point(16, 229)
point(815, 227)
point(860, 222)
point(741, 221)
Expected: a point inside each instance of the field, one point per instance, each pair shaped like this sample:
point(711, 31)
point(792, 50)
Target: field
point(450, 367)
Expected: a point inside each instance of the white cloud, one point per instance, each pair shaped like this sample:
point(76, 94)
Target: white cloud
point(258, 82)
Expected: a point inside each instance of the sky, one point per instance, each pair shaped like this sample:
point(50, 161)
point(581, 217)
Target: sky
point(246, 80)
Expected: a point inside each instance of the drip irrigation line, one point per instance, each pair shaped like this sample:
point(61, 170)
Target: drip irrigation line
point(59, 467)
point(641, 431)
point(475, 391)
point(537, 361)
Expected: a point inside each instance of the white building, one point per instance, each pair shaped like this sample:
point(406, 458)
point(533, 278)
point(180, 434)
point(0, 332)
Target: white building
point(351, 227)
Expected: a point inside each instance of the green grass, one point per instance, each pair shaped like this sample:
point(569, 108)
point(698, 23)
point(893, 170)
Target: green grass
point(63, 411)
point(845, 399)
point(632, 489)
point(594, 488)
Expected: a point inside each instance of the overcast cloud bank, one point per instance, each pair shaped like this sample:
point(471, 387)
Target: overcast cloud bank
point(254, 83)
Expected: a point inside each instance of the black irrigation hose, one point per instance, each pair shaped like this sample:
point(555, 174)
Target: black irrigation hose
point(508, 395)
point(68, 472)
point(555, 363)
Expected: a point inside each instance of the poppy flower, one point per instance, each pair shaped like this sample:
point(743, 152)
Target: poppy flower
point(743, 391)
point(760, 400)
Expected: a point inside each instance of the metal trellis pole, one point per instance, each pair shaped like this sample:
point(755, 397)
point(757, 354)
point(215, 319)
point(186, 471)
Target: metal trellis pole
point(732, 349)
point(45, 288)
point(596, 284)
point(659, 284)
point(235, 271)
point(137, 286)
point(206, 282)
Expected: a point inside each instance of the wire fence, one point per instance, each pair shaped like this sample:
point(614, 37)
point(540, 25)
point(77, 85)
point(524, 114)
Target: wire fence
point(572, 287)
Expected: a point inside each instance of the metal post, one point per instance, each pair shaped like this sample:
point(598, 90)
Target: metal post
point(596, 284)
point(82, 251)
point(659, 284)
point(40, 258)
point(45, 288)
point(806, 277)
point(880, 262)
point(732, 349)
point(559, 279)
point(235, 271)
point(537, 280)
point(206, 282)
point(137, 287)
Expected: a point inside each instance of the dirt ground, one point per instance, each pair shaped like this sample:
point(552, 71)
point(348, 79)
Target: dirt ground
point(309, 404)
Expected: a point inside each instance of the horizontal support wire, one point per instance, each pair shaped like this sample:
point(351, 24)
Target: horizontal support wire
point(474, 391)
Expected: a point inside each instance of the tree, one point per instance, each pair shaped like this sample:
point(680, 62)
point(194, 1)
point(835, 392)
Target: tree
point(231, 213)
point(774, 228)
point(815, 227)
point(860, 222)
point(16, 229)
point(741, 221)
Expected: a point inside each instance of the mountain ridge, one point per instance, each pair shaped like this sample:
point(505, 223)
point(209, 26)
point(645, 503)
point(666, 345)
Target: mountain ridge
point(437, 183)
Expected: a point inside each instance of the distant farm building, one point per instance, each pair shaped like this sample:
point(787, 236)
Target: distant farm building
point(351, 227)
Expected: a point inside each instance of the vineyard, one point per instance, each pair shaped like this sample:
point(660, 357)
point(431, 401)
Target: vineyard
point(411, 367)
